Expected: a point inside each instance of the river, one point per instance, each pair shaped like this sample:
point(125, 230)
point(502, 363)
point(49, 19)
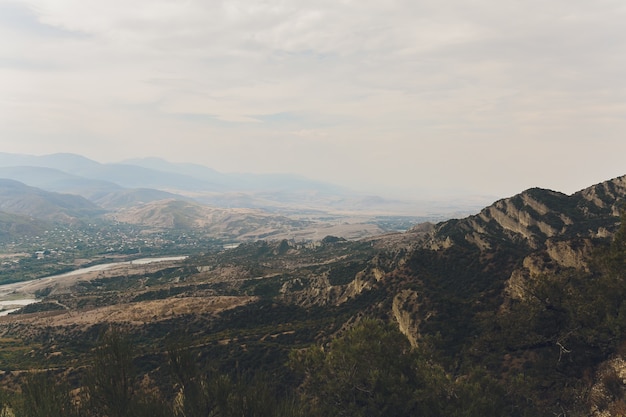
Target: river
point(104, 267)
point(12, 296)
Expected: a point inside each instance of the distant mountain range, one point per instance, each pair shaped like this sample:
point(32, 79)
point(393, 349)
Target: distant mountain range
point(134, 181)
point(67, 169)
point(152, 192)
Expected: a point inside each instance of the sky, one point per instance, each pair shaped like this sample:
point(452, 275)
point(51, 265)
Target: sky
point(404, 98)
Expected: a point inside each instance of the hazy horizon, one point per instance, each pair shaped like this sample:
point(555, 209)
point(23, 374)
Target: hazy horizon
point(397, 99)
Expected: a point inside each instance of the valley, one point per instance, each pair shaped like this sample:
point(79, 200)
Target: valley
point(517, 310)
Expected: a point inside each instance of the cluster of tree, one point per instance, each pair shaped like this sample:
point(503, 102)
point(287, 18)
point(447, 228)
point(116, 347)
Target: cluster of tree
point(369, 371)
point(113, 387)
point(373, 371)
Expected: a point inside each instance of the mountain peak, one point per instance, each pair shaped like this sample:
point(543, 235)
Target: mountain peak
point(535, 215)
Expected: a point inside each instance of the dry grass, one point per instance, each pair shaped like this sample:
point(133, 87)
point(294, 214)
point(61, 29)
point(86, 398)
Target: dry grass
point(132, 313)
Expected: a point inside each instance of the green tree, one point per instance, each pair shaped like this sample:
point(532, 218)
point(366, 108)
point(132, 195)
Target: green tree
point(203, 393)
point(369, 371)
point(111, 382)
point(42, 396)
point(193, 399)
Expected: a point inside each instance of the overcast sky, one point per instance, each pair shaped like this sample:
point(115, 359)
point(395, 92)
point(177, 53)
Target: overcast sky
point(404, 97)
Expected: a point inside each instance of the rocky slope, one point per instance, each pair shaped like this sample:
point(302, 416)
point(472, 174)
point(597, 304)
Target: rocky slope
point(535, 232)
point(482, 259)
point(536, 215)
point(468, 274)
point(455, 285)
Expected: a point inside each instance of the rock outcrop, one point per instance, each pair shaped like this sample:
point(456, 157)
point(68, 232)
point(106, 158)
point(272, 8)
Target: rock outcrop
point(536, 215)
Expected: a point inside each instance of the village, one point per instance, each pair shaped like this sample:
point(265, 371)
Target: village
point(65, 248)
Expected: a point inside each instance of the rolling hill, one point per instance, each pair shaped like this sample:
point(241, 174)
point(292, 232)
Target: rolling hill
point(18, 198)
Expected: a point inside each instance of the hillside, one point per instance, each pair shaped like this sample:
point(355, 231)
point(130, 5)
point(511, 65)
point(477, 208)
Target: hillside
point(518, 310)
point(236, 224)
point(14, 227)
point(18, 198)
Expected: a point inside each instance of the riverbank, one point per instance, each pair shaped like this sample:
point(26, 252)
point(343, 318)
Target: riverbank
point(18, 294)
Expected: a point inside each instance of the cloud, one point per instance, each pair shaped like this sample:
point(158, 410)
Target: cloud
point(23, 19)
point(366, 83)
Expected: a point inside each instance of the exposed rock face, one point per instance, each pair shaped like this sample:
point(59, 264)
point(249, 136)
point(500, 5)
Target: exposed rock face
point(405, 306)
point(529, 218)
point(536, 215)
point(557, 255)
point(523, 215)
point(608, 196)
point(570, 254)
point(363, 280)
point(310, 292)
point(318, 290)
